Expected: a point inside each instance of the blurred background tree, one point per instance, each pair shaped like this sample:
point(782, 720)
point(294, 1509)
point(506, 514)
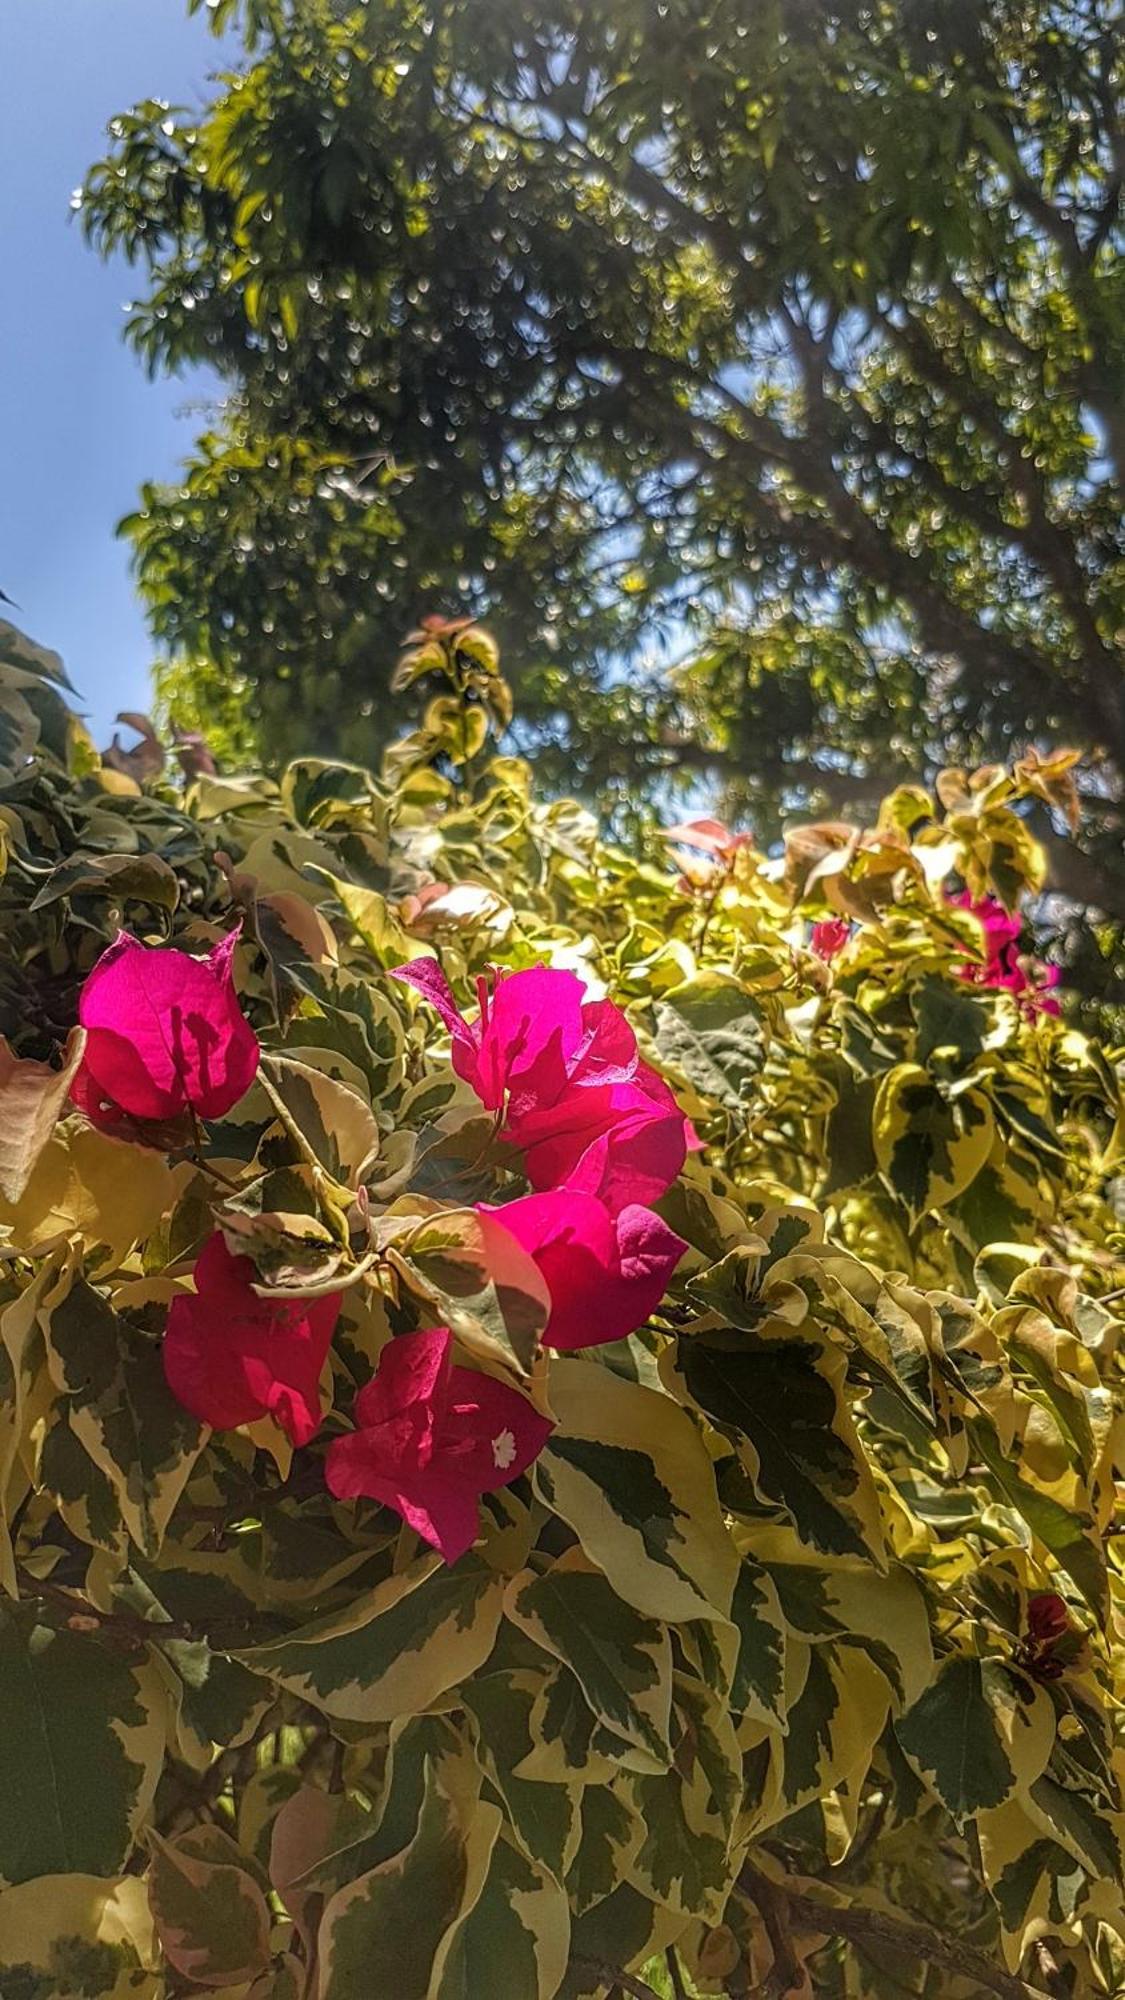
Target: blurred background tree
point(756, 366)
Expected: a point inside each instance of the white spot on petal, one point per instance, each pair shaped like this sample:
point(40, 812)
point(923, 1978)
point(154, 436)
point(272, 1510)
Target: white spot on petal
point(503, 1450)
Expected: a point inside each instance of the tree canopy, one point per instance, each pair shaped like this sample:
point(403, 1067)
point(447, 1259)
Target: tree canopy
point(759, 369)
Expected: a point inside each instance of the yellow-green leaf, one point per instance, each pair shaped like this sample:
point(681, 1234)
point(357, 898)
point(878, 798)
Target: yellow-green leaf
point(930, 1144)
point(397, 1648)
point(628, 1470)
point(622, 1661)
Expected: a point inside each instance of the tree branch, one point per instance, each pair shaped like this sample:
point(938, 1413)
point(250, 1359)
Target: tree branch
point(845, 534)
point(860, 1925)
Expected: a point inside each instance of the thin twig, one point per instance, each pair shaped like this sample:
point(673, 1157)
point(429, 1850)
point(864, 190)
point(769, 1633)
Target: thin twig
point(672, 1961)
point(125, 1626)
point(208, 1166)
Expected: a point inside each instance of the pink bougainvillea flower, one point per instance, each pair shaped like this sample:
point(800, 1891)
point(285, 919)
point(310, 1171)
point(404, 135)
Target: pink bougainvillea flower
point(605, 1273)
point(1005, 968)
point(165, 1032)
point(633, 1158)
point(707, 836)
point(432, 1437)
point(453, 906)
point(564, 1075)
point(1001, 935)
point(88, 1097)
point(829, 937)
point(231, 1357)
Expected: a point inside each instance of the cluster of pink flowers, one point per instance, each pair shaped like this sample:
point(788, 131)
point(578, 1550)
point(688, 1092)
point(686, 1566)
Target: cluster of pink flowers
point(600, 1135)
point(1005, 968)
point(566, 1082)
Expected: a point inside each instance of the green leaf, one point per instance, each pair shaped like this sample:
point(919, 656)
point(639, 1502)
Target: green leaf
point(833, 1725)
point(212, 1917)
point(396, 1649)
point(628, 1470)
point(1072, 1818)
point(516, 1939)
point(393, 1930)
point(611, 1834)
point(782, 1402)
point(1069, 1535)
point(121, 1408)
point(712, 1031)
point(338, 1129)
point(543, 1816)
point(623, 1661)
point(68, 1937)
point(953, 1018)
point(980, 1732)
point(625, 1928)
point(481, 1283)
point(121, 878)
point(81, 1743)
point(758, 1686)
point(216, 1700)
point(929, 1146)
point(683, 1860)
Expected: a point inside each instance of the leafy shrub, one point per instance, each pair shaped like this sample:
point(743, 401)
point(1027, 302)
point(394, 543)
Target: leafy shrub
point(784, 1635)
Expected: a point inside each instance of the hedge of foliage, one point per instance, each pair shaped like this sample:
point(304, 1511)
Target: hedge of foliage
point(593, 1475)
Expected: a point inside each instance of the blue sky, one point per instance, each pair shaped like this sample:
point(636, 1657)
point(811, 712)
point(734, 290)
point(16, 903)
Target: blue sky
point(80, 423)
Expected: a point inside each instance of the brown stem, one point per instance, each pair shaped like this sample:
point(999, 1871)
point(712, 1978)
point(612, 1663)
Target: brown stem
point(123, 1626)
point(772, 1899)
point(198, 1800)
point(671, 1960)
point(206, 1166)
point(860, 1925)
point(83, 1616)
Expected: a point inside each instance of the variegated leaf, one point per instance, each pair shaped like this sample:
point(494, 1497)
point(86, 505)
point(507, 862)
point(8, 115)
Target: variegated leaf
point(396, 1649)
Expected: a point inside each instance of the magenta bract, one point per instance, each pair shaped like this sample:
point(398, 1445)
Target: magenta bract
point(1047, 1616)
point(605, 1273)
point(231, 1357)
point(707, 836)
point(432, 1437)
point(164, 1032)
point(829, 937)
point(565, 1076)
point(1005, 968)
